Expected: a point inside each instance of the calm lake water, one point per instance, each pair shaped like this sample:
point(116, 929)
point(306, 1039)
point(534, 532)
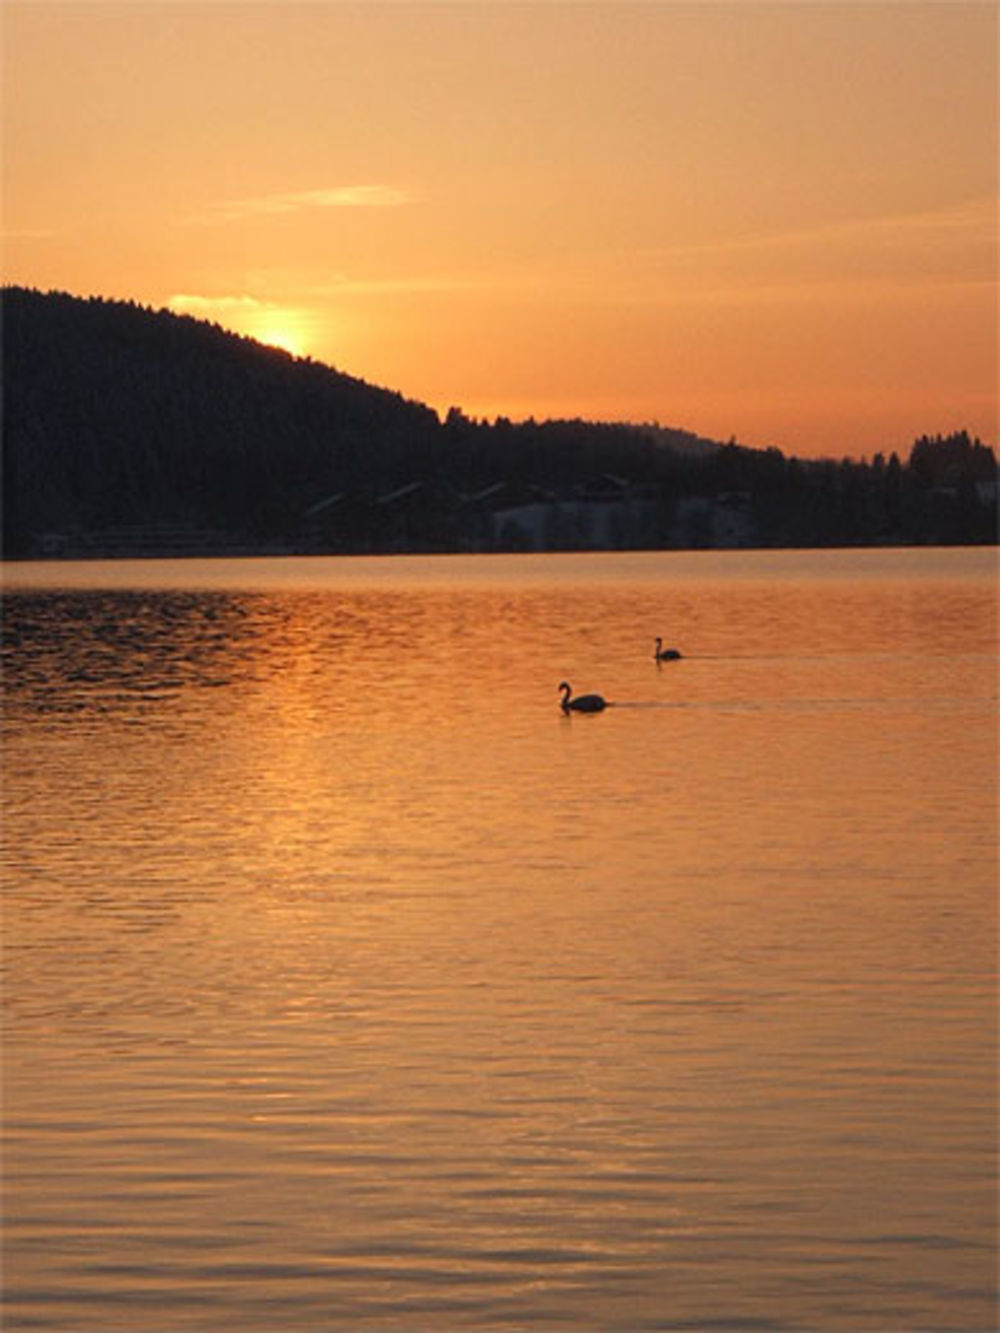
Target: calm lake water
point(351, 986)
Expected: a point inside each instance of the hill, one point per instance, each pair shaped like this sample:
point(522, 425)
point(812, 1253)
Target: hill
point(134, 431)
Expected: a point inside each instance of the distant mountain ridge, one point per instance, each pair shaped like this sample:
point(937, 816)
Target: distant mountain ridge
point(134, 431)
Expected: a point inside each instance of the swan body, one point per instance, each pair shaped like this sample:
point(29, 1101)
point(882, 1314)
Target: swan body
point(662, 654)
point(583, 703)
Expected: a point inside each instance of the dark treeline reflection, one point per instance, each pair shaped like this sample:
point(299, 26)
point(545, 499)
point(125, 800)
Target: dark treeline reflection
point(73, 651)
point(129, 431)
point(129, 650)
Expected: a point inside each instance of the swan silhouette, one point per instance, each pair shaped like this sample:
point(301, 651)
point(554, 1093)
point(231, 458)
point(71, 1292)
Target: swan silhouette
point(584, 703)
point(662, 654)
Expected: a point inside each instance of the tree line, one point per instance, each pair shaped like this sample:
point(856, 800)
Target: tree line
point(121, 419)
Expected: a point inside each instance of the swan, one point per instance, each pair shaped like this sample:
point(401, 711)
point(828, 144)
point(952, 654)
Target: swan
point(666, 654)
point(584, 703)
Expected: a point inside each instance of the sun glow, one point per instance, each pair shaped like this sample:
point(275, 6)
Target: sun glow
point(277, 326)
point(282, 334)
point(264, 321)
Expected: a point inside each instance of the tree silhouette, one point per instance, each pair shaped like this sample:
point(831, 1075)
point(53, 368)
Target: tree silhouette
point(126, 429)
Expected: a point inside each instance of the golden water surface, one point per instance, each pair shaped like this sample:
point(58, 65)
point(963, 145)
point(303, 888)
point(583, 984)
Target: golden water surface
point(350, 985)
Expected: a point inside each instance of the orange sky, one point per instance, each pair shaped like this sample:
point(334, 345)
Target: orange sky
point(769, 221)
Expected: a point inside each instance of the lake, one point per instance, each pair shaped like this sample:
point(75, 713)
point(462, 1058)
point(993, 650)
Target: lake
point(350, 985)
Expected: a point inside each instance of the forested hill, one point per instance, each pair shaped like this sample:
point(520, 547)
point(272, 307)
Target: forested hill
point(129, 431)
point(119, 416)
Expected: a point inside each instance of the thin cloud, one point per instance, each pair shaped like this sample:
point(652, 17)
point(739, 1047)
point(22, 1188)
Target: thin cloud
point(28, 233)
point(421, 284)
point(207, 307)
point(974, 218)
point(298, 201)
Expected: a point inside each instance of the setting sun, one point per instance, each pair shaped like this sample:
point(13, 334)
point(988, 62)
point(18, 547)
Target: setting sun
point(263, 321)
point(284, 335)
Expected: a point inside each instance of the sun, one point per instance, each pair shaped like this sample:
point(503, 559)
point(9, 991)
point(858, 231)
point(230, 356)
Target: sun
point(266, 322)
point(282, 333)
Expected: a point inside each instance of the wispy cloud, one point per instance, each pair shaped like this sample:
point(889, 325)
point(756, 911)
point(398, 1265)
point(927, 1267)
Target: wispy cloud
point(212, 307)
point(299, 201)
point(421, 284)
point(28, 233)
point(974, 218)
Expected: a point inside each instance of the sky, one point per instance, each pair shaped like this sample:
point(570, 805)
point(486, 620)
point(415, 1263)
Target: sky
point(769, 222)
